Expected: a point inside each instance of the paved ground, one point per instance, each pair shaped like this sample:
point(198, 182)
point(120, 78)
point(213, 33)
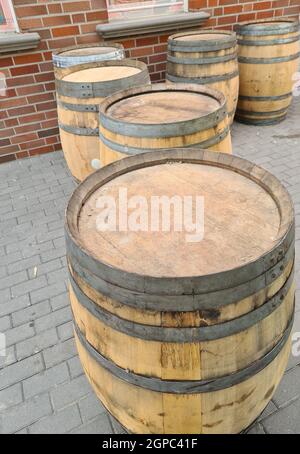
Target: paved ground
point(42, 386)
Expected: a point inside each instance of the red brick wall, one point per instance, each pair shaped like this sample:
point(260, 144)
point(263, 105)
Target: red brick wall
point(28, 120)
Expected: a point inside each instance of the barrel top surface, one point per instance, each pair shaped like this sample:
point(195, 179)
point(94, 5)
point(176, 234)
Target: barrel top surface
point(201, 36)
point(241, 222)
point(163, 107)
point(101, 74)
point(268, 27)
point(88, 51)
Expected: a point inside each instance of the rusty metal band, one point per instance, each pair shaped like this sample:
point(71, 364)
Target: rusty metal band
point(188, 386)
point(184, 334)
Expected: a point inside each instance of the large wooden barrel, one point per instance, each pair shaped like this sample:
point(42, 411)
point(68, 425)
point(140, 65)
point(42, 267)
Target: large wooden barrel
point(268, 58)
point(207, 57)
point(179, 334)
point(87, 53)
point(163, 116)
point(80, 90)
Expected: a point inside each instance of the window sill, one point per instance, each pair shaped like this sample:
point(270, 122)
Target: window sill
point(10, 42)
point(152, 25)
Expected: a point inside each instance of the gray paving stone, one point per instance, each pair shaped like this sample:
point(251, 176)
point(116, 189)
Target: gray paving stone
point(65, 331)
point(75, 367)
point(36, 343)
point(90, 407)
point(31, 313)
point(60, 301)
point(46, 380)
point(289, 388)
point(47, 291)
point(21, 370)
point(45, 268)
point(59, 353)
point(53, 319)
point(101, 425)
point(15, 335)
point(9, 307)
point(116, 426)
point(24, 264)
point(5, 323)
point(24, 415)
point(285, 421)
point(70, 392)
point(29, 286)
point(59, 423)
point(13, 280)
point(10, 396)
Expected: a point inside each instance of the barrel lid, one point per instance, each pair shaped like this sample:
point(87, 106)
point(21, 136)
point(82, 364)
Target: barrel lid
point(88, 49)
point(161, 109)
point(248, 222)
point(203, 40)
point(265, 27)
point(101, 74)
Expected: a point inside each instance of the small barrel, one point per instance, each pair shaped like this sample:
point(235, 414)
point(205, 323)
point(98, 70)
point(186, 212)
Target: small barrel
point(163, 116)
point(87, 53)
point(80, 90)
point(268, 59)
point(207, 57)
point(181, 330)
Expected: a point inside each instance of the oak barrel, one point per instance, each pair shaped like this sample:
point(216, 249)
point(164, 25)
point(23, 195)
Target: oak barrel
point(80, 90)
point(87, 53)
point(178, 335)
point(207, 57)
point(268, 59)
point(163, 116)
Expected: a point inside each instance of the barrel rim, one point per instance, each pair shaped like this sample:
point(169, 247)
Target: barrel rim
point(96, 89)
point(86, 46)
point(183, 285)
point(251, 28)
point(137, 129)
point(230, 39)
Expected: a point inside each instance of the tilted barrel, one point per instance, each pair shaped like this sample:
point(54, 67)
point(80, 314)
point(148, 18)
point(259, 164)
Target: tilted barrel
point(182, 330)
point(80, 91)
point(207, 57)
point(268, 57)
point(163, 116)
point(87, 53)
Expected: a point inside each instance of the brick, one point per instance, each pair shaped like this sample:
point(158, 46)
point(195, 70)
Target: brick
point(90, 407)
point(59, 353)
point(20, 371)
point(26, 414)
point(101, 425)
point(46, 380)
point(19, 333)
point(288, 389)
point(10, 396)
point(31, 313)
point(58, 423)
point(76, 6)
point(65, 31)
point(36, 344)
point(29, 286)
point(75, 367)
point(11, 306)
point(70, 392)
point(53, 319)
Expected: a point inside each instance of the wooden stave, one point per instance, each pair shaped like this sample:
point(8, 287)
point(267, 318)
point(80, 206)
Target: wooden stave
point(254, 112)
point(226, 82)
point(61, 61)
point(181, 286)
point(88, 136)
point(145, 428)
point(191, 129)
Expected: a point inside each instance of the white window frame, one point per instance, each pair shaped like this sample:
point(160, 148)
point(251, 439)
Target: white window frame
point(9, 13)
point(131, 7)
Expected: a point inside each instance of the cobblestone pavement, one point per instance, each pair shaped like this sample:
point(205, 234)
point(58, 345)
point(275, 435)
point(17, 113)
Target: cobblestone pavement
point(42, 386)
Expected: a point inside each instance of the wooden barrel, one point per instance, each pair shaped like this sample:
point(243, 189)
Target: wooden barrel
point(179, 334)
point(163, 116)
point(268, 59)
point(87, 53)
point(207, 57)
point(80, 90)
